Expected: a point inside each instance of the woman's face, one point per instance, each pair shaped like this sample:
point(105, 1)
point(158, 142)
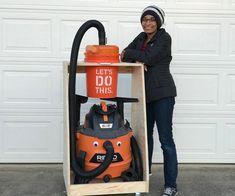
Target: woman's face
point(149, 24)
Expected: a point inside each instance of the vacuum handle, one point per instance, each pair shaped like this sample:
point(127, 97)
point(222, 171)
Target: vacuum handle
point(120, 103)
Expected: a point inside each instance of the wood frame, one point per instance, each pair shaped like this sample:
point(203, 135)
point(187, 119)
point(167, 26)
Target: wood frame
point(138, 119)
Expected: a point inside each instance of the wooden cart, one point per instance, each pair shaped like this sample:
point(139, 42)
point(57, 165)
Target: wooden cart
point(138, 124)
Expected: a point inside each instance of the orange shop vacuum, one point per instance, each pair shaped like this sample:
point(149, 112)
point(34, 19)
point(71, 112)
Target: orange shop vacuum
point(104, 146)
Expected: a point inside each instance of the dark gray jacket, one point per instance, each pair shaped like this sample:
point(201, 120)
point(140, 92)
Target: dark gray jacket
point(157, 57)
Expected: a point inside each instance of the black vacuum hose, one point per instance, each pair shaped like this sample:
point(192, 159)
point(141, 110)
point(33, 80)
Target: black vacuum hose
point(72, 103)
point(137, 159)
point(103, 166)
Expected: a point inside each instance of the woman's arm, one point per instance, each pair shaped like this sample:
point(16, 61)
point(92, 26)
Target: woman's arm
point(153, 53)
point(131, 46)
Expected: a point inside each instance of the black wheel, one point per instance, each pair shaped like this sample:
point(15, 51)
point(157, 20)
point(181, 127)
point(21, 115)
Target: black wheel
point(106, 178)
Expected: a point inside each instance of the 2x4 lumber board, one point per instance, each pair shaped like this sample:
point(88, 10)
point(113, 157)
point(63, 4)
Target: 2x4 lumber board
point(138, 116)
point(66, 162)
point(108, 188)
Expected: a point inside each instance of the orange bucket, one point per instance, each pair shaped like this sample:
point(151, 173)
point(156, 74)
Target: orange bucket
point(101, 80)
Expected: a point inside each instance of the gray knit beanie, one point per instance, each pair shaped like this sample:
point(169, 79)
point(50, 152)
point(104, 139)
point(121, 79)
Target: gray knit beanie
point(155, 11)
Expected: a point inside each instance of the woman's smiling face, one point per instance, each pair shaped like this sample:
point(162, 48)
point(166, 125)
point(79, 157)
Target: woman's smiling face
point(149, 24)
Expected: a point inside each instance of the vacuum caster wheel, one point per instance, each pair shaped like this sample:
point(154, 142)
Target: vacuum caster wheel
point(106, 178)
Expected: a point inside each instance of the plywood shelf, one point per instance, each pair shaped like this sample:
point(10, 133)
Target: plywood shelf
point(138, 119)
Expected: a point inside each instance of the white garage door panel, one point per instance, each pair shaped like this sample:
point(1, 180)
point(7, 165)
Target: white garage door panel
point(68, 29)
point(232, 39)
point(230, 98)
point(197, 138)
point(200, 4)
point(28, 139)
point(202, 87)
point(32, 35)
point(206, 37)
point(199, 39)
point(30, 85)
point(202, 140)
point(30, 136)
point(229, 135)
point(206, 88)
point(35, 37)
point(26, 91)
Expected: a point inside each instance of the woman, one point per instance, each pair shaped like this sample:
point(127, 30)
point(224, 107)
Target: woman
point(153, 48)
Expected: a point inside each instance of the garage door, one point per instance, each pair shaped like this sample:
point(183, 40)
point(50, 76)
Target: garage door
point(36, 38)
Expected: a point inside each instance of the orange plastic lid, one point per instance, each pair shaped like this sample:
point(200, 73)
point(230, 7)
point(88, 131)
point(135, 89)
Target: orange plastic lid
point(102, 54)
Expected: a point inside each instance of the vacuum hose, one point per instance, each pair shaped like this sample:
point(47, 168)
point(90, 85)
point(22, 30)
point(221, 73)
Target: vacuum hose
point(72, 104)
point(137, 159)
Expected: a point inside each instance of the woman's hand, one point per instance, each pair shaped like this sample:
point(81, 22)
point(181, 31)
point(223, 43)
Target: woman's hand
point(145, 66)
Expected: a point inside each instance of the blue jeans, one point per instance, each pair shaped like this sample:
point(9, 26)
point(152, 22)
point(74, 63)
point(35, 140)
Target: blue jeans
point(161, 112)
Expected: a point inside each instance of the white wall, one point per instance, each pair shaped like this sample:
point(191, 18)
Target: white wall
point(35, 37)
